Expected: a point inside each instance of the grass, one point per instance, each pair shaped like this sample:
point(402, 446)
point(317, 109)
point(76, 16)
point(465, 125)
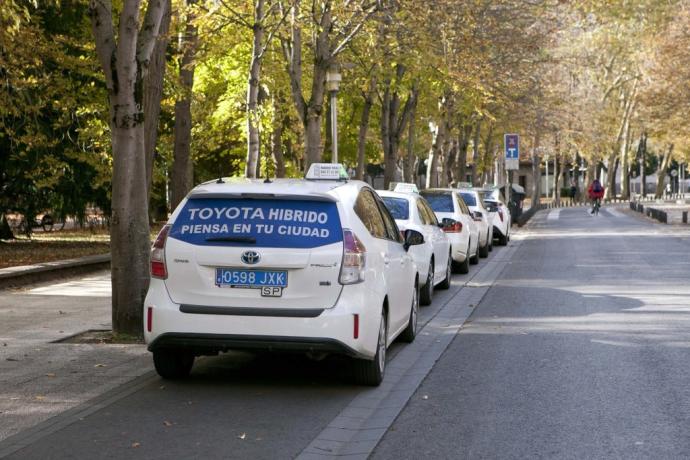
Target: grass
point(56, 245)
point(52, 246)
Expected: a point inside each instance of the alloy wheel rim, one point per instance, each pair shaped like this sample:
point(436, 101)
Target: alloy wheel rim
point(415, 310)
point(382, 344)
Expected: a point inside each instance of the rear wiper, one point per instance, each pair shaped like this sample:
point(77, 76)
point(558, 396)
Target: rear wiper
point(233, 239)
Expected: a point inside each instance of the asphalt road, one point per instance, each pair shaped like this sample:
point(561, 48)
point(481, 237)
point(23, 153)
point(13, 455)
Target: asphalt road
point(579, 350)
point(234, 406)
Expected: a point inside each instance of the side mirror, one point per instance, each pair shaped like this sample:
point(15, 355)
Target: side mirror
point(477, 215)
point(491, 207)
point(412, 238)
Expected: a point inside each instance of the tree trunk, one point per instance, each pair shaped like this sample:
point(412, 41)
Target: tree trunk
point(364, 126)
point(277, 138)
point(487, 158)
point(463, 145)
point(643, 154)
point(409, 173)
point(661, 171)
point(432, 161)
point(475, 154)
point(125, 64)
point(253, 141)
point(612, 169)
point(536, 163)
point(153, 94)
point(5, 230)
point(182, 170)
point(394, 121)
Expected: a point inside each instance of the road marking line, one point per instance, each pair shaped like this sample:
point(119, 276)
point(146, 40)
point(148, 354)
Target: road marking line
point(554, 215)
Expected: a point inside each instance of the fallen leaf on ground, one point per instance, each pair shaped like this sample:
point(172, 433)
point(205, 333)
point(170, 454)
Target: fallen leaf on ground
point(136, 444)
point(242, 436)
point(166, 423)
point(99, 365)
point(39, 397)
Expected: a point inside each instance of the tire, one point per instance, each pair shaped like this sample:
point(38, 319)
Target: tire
point(474, 260)
point(173, 364)
point(462, 267)
point(484, 251)
point(371, 372)
point(502, 239)
point(410, 331)
point(427, 292)
point(445, 284)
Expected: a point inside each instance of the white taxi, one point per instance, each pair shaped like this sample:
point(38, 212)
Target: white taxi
point(473, 200)
point(463, 235)
point(412, 212)
point(313, 265)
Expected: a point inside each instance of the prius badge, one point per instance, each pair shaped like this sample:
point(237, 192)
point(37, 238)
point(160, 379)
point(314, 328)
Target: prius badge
point(250, 257)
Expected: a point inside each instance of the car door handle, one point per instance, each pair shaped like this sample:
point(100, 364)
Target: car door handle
point(386, 260)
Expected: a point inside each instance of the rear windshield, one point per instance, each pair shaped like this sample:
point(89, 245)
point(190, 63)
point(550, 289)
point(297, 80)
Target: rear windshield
point(258, 223)
point(439, 202)
point(398, 207)
point(469, 199)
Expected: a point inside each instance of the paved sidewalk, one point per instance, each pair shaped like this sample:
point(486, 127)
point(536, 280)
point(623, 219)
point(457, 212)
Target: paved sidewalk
point(40, 378)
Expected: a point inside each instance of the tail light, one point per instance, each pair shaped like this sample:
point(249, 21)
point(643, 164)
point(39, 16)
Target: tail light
point(354, 259)
point(455, 228)
point(500, 214)
point(158, 269)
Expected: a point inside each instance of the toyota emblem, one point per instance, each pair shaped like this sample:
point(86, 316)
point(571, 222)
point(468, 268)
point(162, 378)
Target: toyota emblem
point(250, 257)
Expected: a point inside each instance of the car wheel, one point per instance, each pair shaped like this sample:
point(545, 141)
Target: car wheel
point(484, 251)
point(474, 260)
point(502, 240)
point(428, 289)
point(370, 372)
point(173, 364)
point(445, 284)
point(410, 331)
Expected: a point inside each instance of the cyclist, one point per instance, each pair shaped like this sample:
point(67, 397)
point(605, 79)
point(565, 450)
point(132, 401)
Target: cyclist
point(596, 193)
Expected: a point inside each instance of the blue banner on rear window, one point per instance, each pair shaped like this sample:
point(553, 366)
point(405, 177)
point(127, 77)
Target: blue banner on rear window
point(258, 223)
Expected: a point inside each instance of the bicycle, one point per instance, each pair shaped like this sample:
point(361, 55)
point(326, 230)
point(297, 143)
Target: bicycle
point(596, 204)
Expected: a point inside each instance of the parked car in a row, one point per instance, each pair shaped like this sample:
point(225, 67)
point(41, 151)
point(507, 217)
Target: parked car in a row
point(317, 265)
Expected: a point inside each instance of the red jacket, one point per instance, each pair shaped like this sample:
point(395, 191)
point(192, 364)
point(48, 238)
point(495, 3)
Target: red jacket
point(593, 194)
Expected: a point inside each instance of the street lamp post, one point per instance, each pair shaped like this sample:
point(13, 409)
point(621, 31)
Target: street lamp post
point(333, 78)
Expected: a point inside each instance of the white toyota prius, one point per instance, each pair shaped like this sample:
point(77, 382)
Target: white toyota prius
point(315, 265)
point(433, 258)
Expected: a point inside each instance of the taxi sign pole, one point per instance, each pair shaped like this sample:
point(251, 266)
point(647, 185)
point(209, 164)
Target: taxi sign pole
point(511, 146)
point(333, 78)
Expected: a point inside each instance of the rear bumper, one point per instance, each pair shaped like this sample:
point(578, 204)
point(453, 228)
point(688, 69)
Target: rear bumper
point(208, 329)
point(211, 343)
point(459, 246)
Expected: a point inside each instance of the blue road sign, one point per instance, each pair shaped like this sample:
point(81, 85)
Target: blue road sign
point(512, 146)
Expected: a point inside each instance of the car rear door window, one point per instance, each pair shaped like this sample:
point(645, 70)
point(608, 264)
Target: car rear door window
point(398, 207)
point(277, 223)
point(439, 202)
point(432, 220)
point(368, 212)
point(392, 231)
point(463, 207)
point(469, 198)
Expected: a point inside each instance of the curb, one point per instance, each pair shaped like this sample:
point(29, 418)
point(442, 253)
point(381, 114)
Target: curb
point(28, 274)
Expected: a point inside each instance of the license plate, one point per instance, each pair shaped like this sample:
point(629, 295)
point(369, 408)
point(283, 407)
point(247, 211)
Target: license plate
point(251, 279)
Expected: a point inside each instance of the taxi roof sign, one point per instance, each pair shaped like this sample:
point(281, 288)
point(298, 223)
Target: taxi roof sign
point(404, 187)
point(327, 171)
